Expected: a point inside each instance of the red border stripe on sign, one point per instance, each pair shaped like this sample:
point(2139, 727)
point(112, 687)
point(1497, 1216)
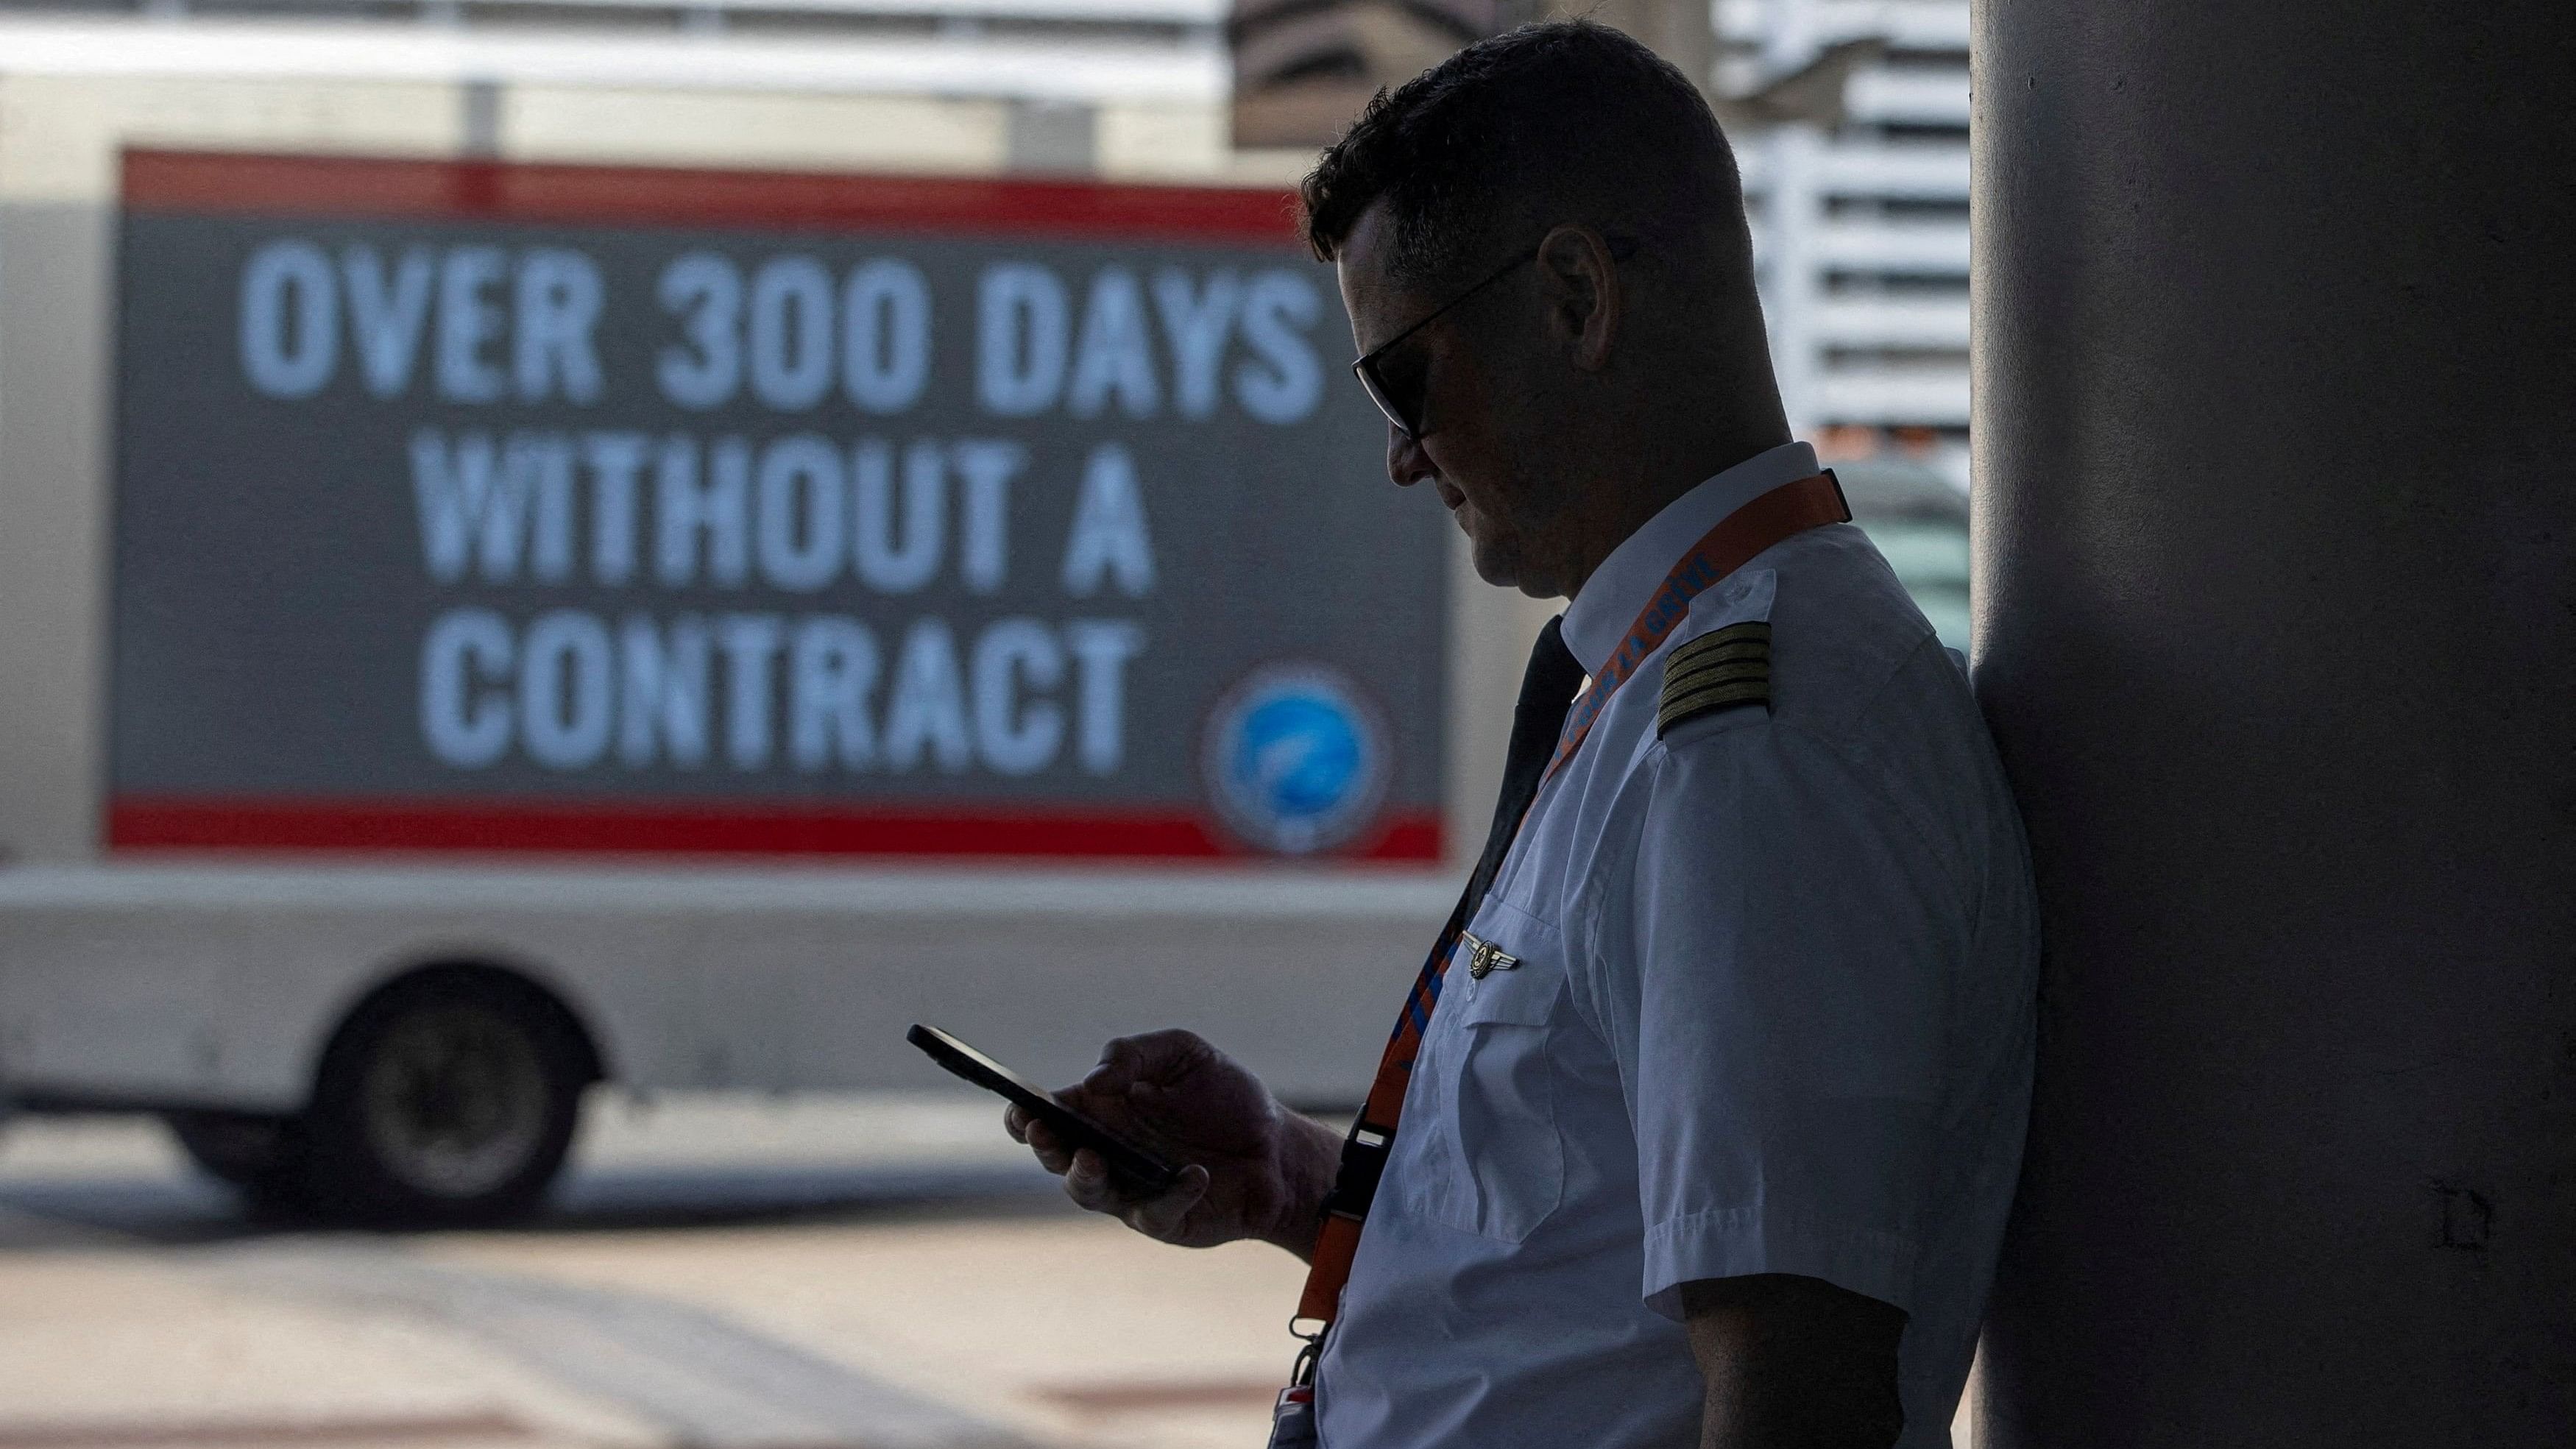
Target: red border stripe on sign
point(357, 187)
point(710, 828)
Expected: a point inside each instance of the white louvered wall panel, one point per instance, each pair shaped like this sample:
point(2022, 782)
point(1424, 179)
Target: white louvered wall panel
point(1861, 229)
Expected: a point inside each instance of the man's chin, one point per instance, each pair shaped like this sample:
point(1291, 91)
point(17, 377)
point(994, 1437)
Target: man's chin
point(1496, 564)
point(1501, 561)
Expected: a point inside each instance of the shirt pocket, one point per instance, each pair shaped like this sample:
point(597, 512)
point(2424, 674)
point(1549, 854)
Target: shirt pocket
point(1485, 1155)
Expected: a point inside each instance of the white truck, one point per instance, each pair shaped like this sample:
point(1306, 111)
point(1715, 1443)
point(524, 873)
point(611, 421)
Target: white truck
point(479, 630)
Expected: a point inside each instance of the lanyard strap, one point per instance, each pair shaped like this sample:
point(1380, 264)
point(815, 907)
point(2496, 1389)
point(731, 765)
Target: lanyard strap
point(1792, 508)
point(1788, 509)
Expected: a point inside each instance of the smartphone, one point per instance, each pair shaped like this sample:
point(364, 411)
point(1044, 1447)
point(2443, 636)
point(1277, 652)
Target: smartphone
point(1138, 1167)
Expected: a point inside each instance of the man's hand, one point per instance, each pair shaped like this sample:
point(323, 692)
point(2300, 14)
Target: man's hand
point(1251, 1168)
point(1794, 1363)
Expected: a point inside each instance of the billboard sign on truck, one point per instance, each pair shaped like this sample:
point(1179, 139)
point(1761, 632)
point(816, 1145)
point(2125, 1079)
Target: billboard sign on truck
point(467, 505)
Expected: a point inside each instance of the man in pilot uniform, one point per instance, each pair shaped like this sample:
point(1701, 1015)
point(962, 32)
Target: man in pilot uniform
point(1700, 1125)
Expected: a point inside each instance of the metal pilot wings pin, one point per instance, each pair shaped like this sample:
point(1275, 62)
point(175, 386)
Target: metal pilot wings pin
point(1718, 670)
point(1484, 956)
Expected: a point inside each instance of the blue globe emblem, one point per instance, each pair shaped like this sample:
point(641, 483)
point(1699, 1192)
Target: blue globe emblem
point(1296, 758)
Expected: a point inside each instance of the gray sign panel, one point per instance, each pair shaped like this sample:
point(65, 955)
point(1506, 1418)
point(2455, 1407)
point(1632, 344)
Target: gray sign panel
point(1027, 542)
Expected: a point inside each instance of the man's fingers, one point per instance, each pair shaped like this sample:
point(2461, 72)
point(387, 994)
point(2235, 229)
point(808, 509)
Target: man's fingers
point(1117, 1067)
point(1161, 1217)
point(1086, 1181)
point(1155, 1056)
point(1015, 1122)
point(1089, 1184)
point(1050, 1150)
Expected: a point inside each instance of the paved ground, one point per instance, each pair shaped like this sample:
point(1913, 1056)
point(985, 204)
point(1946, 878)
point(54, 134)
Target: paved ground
point(886, 1274)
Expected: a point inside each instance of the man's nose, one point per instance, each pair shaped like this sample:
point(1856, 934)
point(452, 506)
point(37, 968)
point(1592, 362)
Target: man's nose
point(1406, 462)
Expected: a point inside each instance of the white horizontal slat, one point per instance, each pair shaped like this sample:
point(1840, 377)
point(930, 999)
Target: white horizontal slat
point(1917, 172)
point(1909, 97)
point(1893, 397)
point(1066, 69)
point(1892, 322)
point(1893, 246)
point(1896, 171)
point(1909, 24)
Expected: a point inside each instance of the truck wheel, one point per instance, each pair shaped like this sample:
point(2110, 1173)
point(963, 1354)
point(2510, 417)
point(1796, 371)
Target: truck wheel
point(246, 1149)
point(449, 1099)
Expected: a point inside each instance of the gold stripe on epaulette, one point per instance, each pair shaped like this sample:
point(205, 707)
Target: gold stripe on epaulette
point(1727, 649)
point(1724, 667)
point(1698, 672)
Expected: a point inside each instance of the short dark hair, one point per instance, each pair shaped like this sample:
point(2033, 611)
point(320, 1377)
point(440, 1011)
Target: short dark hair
point(1567, 116)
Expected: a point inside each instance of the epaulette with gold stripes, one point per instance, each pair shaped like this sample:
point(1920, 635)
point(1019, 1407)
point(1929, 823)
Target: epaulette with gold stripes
point(1721, 668)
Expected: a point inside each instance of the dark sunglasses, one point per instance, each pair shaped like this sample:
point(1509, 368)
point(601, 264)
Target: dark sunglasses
point(1399, 390)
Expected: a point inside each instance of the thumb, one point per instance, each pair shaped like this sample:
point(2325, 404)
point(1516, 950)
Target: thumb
point(1161, 1217)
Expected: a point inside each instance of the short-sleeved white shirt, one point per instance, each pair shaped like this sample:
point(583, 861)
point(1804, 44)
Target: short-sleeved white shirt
point(1773, 1014)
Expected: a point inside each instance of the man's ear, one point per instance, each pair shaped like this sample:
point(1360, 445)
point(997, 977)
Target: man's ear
point(1584, 300)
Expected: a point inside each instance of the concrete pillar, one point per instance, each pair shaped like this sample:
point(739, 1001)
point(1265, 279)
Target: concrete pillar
point(2276, 467)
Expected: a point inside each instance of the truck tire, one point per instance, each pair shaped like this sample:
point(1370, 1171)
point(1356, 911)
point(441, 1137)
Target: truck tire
point(246, 1149)
point(446, 1099)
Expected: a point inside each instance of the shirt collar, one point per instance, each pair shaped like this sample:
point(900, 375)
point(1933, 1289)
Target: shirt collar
point(1611, 599)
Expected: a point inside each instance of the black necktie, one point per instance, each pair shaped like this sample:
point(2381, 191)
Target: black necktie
point(1547, 694)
